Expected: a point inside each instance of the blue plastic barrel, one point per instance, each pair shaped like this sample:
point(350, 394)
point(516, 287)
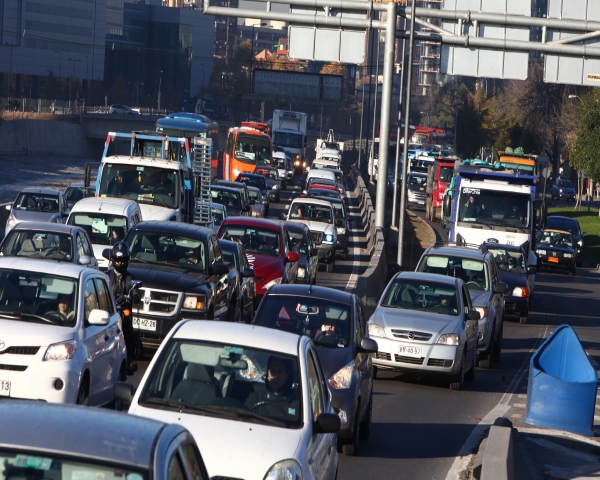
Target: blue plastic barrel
point(562, 385)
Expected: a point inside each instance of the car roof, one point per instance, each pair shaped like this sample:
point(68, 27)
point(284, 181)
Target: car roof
point(112, 436)
point(311, 201)
point(44, 191)
point(229, 244)
point(320, 172)
point(47, 227)
point(229, 183)
point(163, 164)
point(253, 222)
point(250, 187)
point(179, 228)
point(296, 227)
point(224, 188)
point(428, 277)
point(457, 251)
point(250, 175)
point(59, 268)
point(503, 246)
point(331, 200)
point(109, 205)
point(241, 334)
point(313, 291)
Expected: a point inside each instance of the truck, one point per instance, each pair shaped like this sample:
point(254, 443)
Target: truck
point(289, 136)
point(439, 176)
point(373, 159)
point(328, 144)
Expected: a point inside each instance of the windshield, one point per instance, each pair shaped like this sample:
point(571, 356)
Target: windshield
point(425, 296)
point(252, 149)
point(257, 182)
point(446, 174)
point(553, 223)
point(298, 243)
point(217, 215)
point(230, 199)
point(308, 212)
point(103, 229)
point(254, 239)
point(331, 145)
point(28, 464)
point(38, 297)
point(417, 180)
point(38, 244)
point(472, 272)
point(327, 323)
point(494, 207)
point(254, 195)
point(508, 260)
point(149, 185)
point(555, 239)
point(271, 173)
point(228, 381)
point(74, 194)
point(229, 256)
point(37, 202)
point(279, 162)
point(322, 192)
point(287, 139)
point(158, 247)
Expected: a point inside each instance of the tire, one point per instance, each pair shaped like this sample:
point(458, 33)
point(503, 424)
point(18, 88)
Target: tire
point(433, 213)
point(458, 380)
point(83, 395)
point(350, 449)
point(344, 255)
point(470, 375)
point(523, 320)
point(486, 359)
point(365, 425)
point(330, 266)
point(498, 345)
point(573, 271)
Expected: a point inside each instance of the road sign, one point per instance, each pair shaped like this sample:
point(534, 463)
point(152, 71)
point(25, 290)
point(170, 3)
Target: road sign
point(546, 172)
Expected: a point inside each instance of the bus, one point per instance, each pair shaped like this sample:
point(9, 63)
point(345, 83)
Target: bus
point(246, 148)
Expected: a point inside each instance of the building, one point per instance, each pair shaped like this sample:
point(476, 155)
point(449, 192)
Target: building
point(263, 35)
point(225, 38)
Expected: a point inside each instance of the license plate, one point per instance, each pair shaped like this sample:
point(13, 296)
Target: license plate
point(553, 259)
point(421, 202)
point(4, 388)
point(144, 324)
point(416, 352)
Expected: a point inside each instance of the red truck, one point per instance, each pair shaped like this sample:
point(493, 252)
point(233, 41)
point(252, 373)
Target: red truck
point(439, 176)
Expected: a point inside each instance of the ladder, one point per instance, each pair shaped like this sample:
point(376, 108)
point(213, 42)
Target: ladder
point(201, 171)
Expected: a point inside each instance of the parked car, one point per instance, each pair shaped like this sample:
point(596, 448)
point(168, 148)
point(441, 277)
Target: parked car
point(77, 191)
point(49, 241)
point(38, 205)
point(563, 189)
point(336, 324)
point(143, 448)
point(235, 258)
point(268, 248)
point(274, 182)
point(478, 270)
point(556, 249)
point(231, 199)
point(426, 323)
point(571, 225)
point(416, 194)
point(122, 110)
point(302, 244)
point(258, 181)
point(256, 207)
point(60, 324)
point(224, 380)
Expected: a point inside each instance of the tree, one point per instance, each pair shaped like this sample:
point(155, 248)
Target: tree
point(98, 93)
point(119, 93)
point(334, 69)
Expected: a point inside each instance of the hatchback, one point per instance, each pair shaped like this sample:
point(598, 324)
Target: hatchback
point(563, 189)
point(122, 109)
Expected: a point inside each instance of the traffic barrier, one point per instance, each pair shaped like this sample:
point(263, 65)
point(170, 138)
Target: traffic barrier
point(561, 393)
point(495, 459)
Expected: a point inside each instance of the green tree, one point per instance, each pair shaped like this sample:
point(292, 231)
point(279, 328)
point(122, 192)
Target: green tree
point(98, 93)
point(584, 152)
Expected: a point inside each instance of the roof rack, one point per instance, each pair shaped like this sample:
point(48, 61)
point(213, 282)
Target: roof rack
point(439, 244)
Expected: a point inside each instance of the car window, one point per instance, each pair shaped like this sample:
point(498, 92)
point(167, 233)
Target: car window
point(174, 470)
point(299, 243)
point(191, 456)
point(229, 258)
point(317, 401)
point(104, 298)
point(429, 296)
point(254, 239)
point(90, 300)
point(80, 246)
point(473, 272)
point(466, 299)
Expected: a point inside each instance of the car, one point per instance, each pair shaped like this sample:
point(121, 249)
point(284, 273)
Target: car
point(235, 258)
point(122, 110)
point(426, 323)
point(231, 199)
point(106, 220)
point(336, 324)
point(274, 182)
point(249, 393)
point(238, 186)
point(320, 218)
point(556, 249)
point(258, 181)
point(60, 325)
point(76, 191)
point(49, 241)
point(38, 205)
point(285, 167)
point(322, 183)
point(563, 189)
point(316, 191)
point(343, 227)
point(219, 213)
point(478, 270)
point(123, 446)
point(302, 244)
point(416, 194)
point(571, 225)
point(517, 274)
point(256, 207)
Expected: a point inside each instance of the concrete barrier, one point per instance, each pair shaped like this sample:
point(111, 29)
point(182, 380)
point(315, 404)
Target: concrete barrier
point(495, 459)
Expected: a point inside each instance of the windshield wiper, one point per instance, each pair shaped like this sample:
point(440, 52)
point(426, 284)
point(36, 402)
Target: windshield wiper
point(240, 413)
point(391, 306)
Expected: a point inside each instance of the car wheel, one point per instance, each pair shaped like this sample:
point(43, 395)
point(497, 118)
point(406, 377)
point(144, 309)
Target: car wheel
point(83, 397)
point(458, 380)
point(365, 425)
point(351, 448)
point(486, 358)
point(470, 375)
point(523, 320)
point(330, 266)
point(498, 345)
point(344, 255)
point(573, 271)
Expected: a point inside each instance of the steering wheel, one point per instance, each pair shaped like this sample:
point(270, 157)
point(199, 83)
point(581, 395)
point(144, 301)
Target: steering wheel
point(474, 285)
point(160, 190)
point(56, 313)
point(269, 402)
point(328, 333)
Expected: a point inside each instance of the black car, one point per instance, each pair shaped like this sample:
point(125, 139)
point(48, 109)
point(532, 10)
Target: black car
point(231, 199)
point(234, 256)
point(274, 182)
point(515, 272)
point(563, 189)
point(258, 181)
point(567, 224)
point(342, 220)
point(182, 270)
point(335, 321)
point(308, 261)
point(556, 249)
point(246, 201)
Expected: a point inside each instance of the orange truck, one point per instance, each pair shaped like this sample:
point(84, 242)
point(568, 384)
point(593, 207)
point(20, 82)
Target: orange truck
point(247, 147)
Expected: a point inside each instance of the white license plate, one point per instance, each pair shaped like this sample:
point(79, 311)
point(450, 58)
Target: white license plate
point(144, 324)
point(416, 352)
point(421, 202)
point(4, 388)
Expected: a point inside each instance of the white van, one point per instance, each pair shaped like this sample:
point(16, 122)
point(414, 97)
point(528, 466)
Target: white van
point(106, 221)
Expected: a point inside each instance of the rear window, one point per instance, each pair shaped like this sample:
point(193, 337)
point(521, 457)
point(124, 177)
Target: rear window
point(570, 226)
point(254, 239)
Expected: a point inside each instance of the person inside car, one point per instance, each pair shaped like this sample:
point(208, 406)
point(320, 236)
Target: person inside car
point(270, 246)
point(511, 263)
point(64, 306)
point(515, 213)
point(190, 258)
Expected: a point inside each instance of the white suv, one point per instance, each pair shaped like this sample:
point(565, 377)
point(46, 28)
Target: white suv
point(60, 334)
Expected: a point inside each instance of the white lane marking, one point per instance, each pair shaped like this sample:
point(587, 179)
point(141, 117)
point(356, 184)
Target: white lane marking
point(353, 280)
point(519, 405)
point(521, 396)
point(466, 451)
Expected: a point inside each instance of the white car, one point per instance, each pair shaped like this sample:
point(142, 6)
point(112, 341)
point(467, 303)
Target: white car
point(254, 399)
point(284, 165)
point(123, 110)
point(60, 333)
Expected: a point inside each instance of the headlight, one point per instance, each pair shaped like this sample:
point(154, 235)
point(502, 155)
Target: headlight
point(265, 197)
point(341, 230)
point(304, 164)
point(328, 238)
point(560, 190)
point(580, 243)
point(568, 255)
point(61, 351)
point(449, 339)
point(11, 222)
point(297, 162)
point(520, 292)
point(285, 470)
point(300, 272)
point(376, 330)
point(483, 312)
point(342, 379)
point(341, 190)
point(541, 252)
point(194, 303)
point(275, 281)
point(275, 187)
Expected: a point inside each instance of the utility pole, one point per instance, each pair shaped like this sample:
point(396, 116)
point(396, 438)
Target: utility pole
point(375, 110)
point(400, 94)
point(159, 85)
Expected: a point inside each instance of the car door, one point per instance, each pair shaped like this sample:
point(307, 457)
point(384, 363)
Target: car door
point(222, 283)
point(471, 326)
point(363, 360)
point(497, 299)
point(83, 248)
point(313, 261)
point(247, 287)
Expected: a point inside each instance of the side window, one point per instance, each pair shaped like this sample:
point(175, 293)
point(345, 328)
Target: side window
point(88, 247)
point(243, 259)
point(317, 402)
point(360, 322)
point(90, 300)
point(217, 248)
point(80, 245)
point(174, 469)
point(286, 241)
point(211, 253)
point(104, 299)
point(191, 457)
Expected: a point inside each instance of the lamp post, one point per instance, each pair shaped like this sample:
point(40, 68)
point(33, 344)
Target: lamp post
point(10, 72)
point(159, 85)
point(71, 79)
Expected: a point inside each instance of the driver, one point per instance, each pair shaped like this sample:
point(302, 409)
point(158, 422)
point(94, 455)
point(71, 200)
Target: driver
point(512, 263)
point(479, 278)
point(270, 245)
point(116, 186)
point(165, 183)
point(333, 326)
point(191, 257)
point(64, 248)
point(64, 306)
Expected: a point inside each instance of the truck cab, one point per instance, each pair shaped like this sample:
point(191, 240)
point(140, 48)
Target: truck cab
point(439, 176)
point(289, 136)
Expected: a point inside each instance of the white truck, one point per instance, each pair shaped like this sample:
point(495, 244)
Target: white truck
point(374, 159)
point(289, 136)
point(328, 144)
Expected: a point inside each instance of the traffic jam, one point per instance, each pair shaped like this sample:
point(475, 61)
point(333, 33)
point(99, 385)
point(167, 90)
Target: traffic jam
point(213, 269)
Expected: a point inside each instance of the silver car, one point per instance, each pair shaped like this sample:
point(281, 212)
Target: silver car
point(257, 208)
point(38, 205)
point(426, 323)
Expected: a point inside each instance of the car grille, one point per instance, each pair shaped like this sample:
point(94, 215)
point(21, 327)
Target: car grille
point(20, 350)
point(13, 368)
point(158, 302)
point(555, 254)
point(406, 335)
point(317, 237)
point(383, 356)
point(439, 362)
point(411, 360)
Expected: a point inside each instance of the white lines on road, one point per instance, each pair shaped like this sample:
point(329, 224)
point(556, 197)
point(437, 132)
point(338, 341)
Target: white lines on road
point(521, 396)
point(519, 405)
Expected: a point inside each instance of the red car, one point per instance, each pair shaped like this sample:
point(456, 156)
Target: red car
point(268, 248)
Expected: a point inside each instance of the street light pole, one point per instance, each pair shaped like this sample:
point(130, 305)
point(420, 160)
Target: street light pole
point(60, 63)
point(159, 85)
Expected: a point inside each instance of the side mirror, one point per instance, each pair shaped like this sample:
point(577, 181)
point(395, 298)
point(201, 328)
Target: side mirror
point(473, 315)
point(248, 272)
point(246, 208)
point(314, 252)
point(283, 216)
point(304, 192)
point(8, 207)
point(292, 257)
point(98, 317)
point(447, 206)
point(220, 269)
point(339, 222)
point(123, 392)
point(85, 260)
point(106, 253)
point(532, 270)
point(135, 284)
point(372, 302)
point(500, 287)
point(368, 345)
point(583, 235)
point(327, 423)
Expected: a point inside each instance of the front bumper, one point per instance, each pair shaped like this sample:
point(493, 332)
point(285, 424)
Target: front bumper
point(162, 325)
point(326, 252)
point(518, 306)
point(417, 200)
point(566, 195)
point(274, 196)
point(561, 263)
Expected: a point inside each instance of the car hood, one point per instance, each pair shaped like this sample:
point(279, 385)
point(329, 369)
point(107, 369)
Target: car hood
point(165, 276)
point(264, 265)
point(98, 249)
point(479, 298)
point(513, 279)
point(332, 359)
point(26, 216)
point(282, 172)
point(16, 333)
point(271, 183)
point(314, 226)
point(156, 213)
point(428, 322)
point(233, 449)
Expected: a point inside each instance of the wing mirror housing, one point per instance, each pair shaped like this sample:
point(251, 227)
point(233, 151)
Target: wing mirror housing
point(500, 288)
point(339, 222)
point(532, 270)
point(135, 284)
point(314, 252)
point(292, 257)
point(98, 317)
point(283, 216)
point(220, 268)
point(8, 207)
point(123, 392)
point(106, 253)
point(473, 315)
point(327, 423)
point(368, 345)
point(248, 272)
point(85, 260)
